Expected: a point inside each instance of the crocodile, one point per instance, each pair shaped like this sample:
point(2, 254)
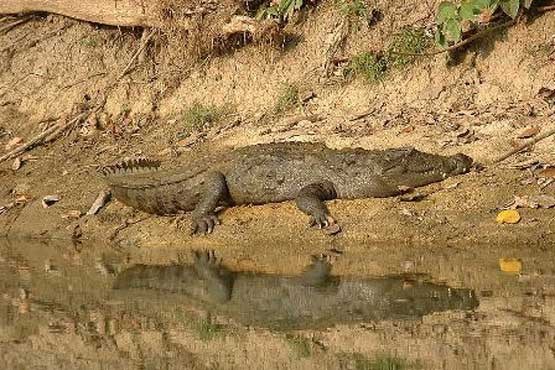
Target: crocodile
point(315, 298)
point(309, 173)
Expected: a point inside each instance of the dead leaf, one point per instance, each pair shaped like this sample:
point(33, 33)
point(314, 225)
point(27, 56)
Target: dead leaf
point(533, 201)
point(332, 229)
point(22, 199)
point(49, 200)
point(532, 164)
point(407, 129)
point(13, 143)
point(548, 172)
point(508, 217)
point(412, 197)
point(102, 198)
point(546, 94)
point(529, 132)
point(452, 186)
point(72, 215)
point(511, 265)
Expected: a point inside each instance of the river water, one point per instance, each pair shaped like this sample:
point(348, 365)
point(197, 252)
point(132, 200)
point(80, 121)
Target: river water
point(456, 309)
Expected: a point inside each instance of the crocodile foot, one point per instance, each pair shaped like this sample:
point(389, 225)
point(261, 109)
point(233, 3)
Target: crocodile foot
point(204, 224)
point(325, 222)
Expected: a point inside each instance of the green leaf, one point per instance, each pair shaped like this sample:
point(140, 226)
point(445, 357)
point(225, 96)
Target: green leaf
point(493, 5)
point(440, 39)
point(482, 4)
point(445, 11)
point(527, 3)
point(452, 30)
point(468, 10)
point(510, 7)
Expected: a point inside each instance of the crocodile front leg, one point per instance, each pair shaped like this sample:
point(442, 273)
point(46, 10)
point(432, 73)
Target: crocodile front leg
point(214, 190)
point(310, 200)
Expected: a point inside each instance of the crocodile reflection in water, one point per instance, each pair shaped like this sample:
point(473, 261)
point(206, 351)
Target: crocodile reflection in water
point(314, 298)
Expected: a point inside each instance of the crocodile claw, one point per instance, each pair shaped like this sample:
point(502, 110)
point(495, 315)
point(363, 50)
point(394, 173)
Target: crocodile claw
point(204, 224)
point(321, 221)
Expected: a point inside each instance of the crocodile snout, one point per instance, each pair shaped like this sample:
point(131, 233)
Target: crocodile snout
point(463, 163)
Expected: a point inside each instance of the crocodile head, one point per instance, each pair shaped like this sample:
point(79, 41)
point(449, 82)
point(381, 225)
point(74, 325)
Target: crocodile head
point(419, 168)
point(458, 164)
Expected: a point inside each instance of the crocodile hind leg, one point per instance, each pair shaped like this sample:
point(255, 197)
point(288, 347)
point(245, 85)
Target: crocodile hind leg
point(214, 191)
point(311, 199)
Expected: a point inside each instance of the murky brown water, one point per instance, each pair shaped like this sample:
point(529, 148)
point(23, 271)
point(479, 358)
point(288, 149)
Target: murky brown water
point(452, 308)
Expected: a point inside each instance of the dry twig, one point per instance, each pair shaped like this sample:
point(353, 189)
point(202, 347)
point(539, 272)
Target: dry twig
point(44, 136)
point(467, 41)
point(527, 144)
point(9, 26)
point(144, 43)
point(335, 41)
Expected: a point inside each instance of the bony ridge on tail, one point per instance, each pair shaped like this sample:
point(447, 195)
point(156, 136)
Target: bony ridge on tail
point(308, 173)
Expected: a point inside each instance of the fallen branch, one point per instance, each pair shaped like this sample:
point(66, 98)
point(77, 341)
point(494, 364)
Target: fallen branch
point(144, 43)
point(116, 13)
point(334, 43)
point(44, 136)
point(467, 41)
point(7, 27)
point(526, 145)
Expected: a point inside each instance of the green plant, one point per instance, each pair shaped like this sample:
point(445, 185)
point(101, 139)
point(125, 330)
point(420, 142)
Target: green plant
point(454, 19)
point(288, 98)
point(371, 66)
point(409, 40)
point(354, 8)
point(89, 42)
point(282, 10)
point(200, 116)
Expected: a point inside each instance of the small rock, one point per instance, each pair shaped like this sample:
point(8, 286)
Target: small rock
point(406, 212)
point(13, 143)
point(532, 201)
point(17, 164)
point(309, 95)
point(50, 200)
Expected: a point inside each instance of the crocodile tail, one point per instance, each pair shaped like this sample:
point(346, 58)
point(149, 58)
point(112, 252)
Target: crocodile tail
point(128, 166)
